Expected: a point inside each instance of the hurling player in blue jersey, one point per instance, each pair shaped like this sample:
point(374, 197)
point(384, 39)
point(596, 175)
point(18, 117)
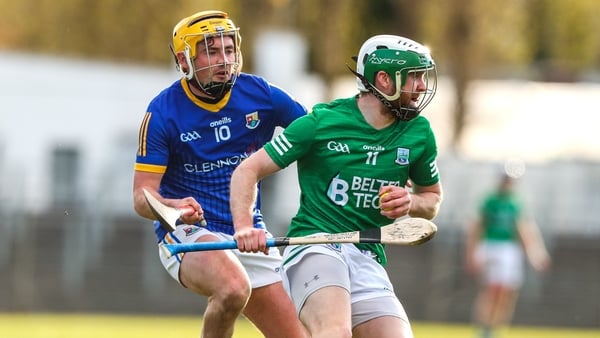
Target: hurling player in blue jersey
point(194, 134)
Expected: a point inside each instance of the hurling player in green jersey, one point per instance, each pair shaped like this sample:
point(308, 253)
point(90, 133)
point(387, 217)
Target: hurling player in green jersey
point(363, 161)
point(494, 254)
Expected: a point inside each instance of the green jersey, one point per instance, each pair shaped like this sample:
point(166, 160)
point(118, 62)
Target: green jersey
point(342, 162)
point(500, 214)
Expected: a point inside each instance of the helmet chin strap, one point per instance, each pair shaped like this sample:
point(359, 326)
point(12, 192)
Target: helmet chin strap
point(216, 90)
point(403, 114)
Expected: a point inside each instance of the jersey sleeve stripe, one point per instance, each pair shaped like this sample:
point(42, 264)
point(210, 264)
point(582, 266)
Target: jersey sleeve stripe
point(281, 144)
point(433, 169)
point(150, 168)
point(143, 134)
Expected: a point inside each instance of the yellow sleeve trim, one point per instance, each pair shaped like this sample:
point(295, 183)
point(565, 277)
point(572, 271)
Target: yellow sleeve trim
point(143, 134)
point(150, 168)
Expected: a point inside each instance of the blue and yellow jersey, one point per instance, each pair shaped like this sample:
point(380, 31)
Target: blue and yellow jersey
point(197, 145)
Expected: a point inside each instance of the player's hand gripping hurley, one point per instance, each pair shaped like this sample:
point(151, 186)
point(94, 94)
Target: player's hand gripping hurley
point(167, 216)
point(406, 231)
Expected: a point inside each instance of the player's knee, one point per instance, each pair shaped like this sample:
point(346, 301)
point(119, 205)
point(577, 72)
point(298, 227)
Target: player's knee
point(336, 331)
point(234, 295)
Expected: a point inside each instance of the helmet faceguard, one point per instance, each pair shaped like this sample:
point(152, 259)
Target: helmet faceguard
point(200, 31)
point(400, 58)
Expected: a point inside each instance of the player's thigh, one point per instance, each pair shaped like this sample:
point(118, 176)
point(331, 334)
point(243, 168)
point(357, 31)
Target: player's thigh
point(328, 310)
point(273, 313)
point(269, 299)
point(368, 278)
point(207, 272)
point(380, 317)
point(383, 327)
point(320, 288)
point(204, 271)
point(307, 269)
point(261, 269)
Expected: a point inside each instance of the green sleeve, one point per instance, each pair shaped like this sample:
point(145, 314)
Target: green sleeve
point(295, 141)
point(424, 170)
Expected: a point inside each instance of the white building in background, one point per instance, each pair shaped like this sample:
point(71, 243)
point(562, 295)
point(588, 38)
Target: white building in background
point(85, 111)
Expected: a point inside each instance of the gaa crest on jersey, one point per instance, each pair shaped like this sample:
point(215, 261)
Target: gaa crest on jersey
point(402, 155)
point(252, 120)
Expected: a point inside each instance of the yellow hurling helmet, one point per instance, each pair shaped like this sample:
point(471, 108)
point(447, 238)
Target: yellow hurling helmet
point(196, 28)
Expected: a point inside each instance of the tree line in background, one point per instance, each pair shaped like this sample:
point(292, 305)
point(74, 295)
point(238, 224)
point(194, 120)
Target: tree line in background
point(547, 40)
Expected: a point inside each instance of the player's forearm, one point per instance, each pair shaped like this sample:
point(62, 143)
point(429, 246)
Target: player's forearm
point(149, 181)
point(243, 189)
point(141, 206)
point(473, 234)
point(243, 192)
point(143, 209)
point(425, 204)
point(533, 244)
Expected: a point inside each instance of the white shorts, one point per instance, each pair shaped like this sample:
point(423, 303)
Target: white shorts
point(502, 263)
point(309, 268)
point(262, 269)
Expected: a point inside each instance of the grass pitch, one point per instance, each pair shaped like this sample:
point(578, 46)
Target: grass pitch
point(137, 326)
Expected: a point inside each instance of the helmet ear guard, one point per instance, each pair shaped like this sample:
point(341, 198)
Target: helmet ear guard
point(402, 114)
point(187, 74)
point(188, 59)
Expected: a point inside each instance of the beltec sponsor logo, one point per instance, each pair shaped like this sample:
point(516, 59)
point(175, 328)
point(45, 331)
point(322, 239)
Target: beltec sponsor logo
point(189, 136)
